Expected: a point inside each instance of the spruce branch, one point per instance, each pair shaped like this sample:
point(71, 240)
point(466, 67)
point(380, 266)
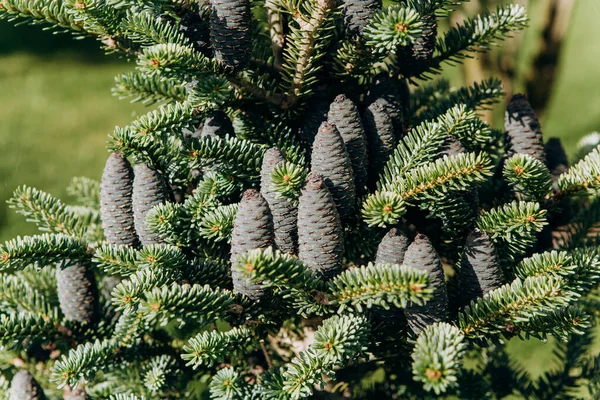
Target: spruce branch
point(228, 384)
point(19, 295)
point(128, 293)
point(437, 357)
point(148, 89)
point(210, 348)
point(550, 263)
point(529, 177)
point(83, 362)
point(583, 176)
point(116, 259)
point(217, 224)
point(149, 29)
point(17, 327)
point(391, 28)
point(57, 13)
point(86, 191)
point(172, 60)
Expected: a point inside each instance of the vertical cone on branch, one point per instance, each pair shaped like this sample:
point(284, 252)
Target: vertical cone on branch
point(330, 160)
point(392, 248)
point(252, 229)
point(379, 128)
point(148, 191)
point(230, 32)
point(357, 14)
point(116, 207)
point(523, 130)
point(320, 234)
point(284, 211)
point(312, 120)
point(415, 59)
point(479, 269)
point(25, 387)
point(196, 29)
point(385, 88)
point(451, 147)
point(556, 157)
point(344, 114)
point(77, 293)
point(422, 256)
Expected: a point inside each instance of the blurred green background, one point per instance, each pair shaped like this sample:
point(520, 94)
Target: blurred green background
point(57, 108)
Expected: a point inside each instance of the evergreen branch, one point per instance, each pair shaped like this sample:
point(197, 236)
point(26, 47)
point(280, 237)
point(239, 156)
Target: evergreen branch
point(127, 294)
point(18, 295)
point(46, 211)
point(166, 119)
point(86, 191)
point(383, 208)
point(550, 263)
point(54, 12)
point(157, 373)
point(171, 222)
point(287, 179)
point(42, 250)
point(217, 224)
point(560, 323)
point(148, 89)
point(380, 285)
point(480, 33)
point(501, 309)
point(149, 29)
point(427, 95)
point(210, 348)
point(17, 327)
point(582, 177)
point(116, 259)
point(211, 92)
point(208, 272)
point(437, 357)
point(229, 384)
point(161, 256)
point(100, 18)
point(83, 362)
point(529, 177)
point(173, 60)
point(391, 28)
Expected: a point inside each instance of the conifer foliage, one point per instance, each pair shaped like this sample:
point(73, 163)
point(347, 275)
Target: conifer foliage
point(307, 214)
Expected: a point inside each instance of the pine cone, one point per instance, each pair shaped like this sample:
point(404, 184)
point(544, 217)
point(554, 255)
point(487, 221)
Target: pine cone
point(556, 157)
point(196, 29)
point(386, 88)
point(320, 234)
point(344, 114)
point(116, 208)
point(230, 32)
point(479, 270)
point(252, 229)
point(311, 122)
point(414, 60)
point(77, 293)
point(523, 131)
point(148, 191)
point(284, 212)
point(380, 136)
point(357, 14)
point(25, 387)
point(422, 256)
point(330, 160)
point(392, 248)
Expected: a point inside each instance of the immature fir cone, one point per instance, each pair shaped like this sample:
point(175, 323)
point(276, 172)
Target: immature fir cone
point(386, 88)
point(116, 207)
point(252, 229)
point(415, 59)
point(312, 120)
point(380, 136)
point(230, 32)
point(357, 14)
point(392, 248)
point(523, 131)
point(148, 191)
point(556, 157)
point(422, 256)
point(330, 160)
point(284, 211)
point(451, 147)
point(196, 29)
point(479, 270)
point(25, 387)
point(320, 234)
point(77, 293)
point(344, 114)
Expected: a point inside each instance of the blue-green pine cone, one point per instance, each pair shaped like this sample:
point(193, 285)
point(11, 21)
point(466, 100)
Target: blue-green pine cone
point(523, 130)
point(346, 117)
point(149, 190)
point(479, 270)
point(357, 14)
point(556, 157)
point(421, 255)
point(24, 387)
point(392, 248)
point(77, 293)
point(230, 32)
point(116, 208)
point(415, 59)
point(284, 211)
point(381, 140)
point(320, 233)
point(330, 159)
point(451, 147)
point(385, 88)
point(252, 229)
point(311, 122)
point(197, 30)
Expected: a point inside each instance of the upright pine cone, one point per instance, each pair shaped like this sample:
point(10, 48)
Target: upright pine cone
point(230, 32)
point(330, 160)
point(320, 234)
point(116, 207)
point(379, 128)
point(196, 29)
point(479, 269)
point(77, 293)
point(421, 255)
point(344, 114)
point(392, 248)
point(312, 120)
point(252, 229)
point(284, 212)
point(357, 14)
point(523, 130)
point(25, 387)
point(148, 191)
point(556, 157)
point(451, 147)
point(387, 89)
point(415, 59)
